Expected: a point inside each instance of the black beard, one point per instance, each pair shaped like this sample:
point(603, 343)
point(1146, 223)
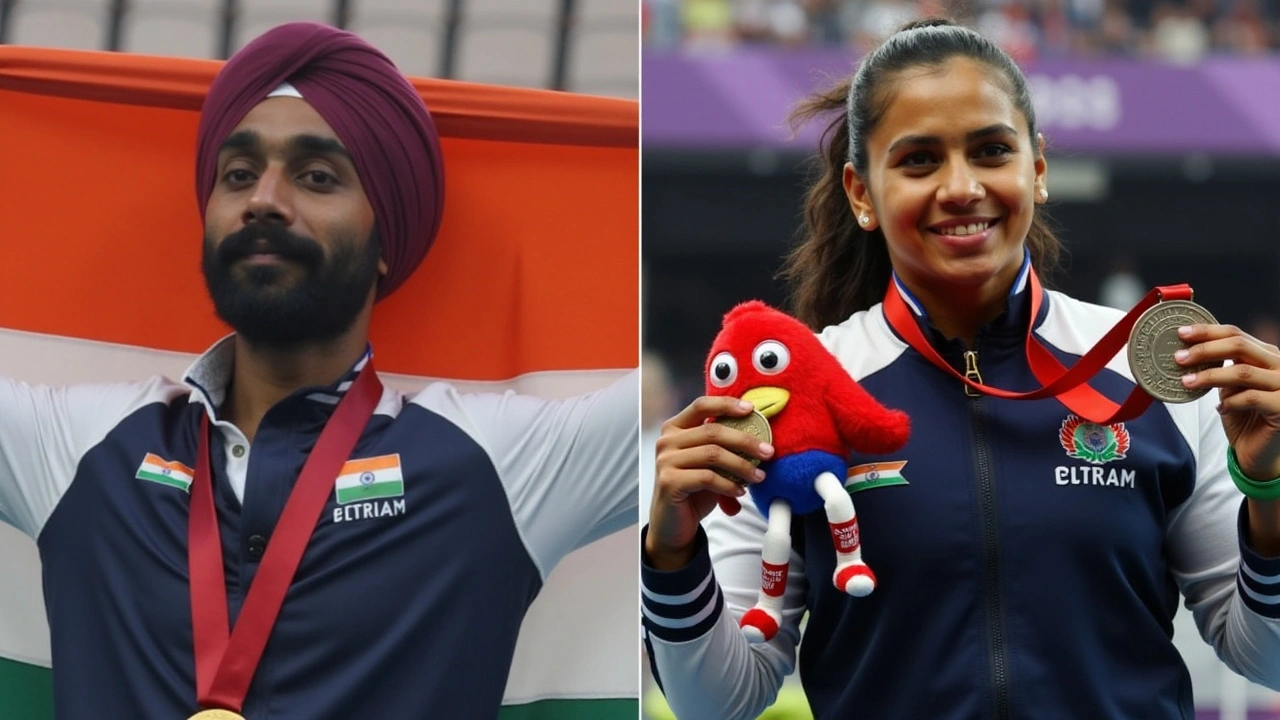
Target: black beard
point(319, 307)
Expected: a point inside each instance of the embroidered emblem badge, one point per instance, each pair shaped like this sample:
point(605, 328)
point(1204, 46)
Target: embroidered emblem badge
point(1092, 442)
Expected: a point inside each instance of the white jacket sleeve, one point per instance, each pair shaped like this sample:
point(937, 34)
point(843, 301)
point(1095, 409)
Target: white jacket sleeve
point(706, 667)
point(569, 467)
point(1232, 592)
point(45, 431)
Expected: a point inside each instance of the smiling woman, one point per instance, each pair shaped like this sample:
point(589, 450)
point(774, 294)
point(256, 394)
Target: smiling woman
point(948, 174)
point(1010, 520)
point(964, 127)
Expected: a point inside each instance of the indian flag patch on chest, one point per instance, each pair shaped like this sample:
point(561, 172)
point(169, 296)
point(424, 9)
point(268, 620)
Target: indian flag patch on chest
point(370, 479)
point(166, 472)
point(874, 475)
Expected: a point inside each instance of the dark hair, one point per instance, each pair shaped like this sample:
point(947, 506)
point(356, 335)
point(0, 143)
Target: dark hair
point(838, 268)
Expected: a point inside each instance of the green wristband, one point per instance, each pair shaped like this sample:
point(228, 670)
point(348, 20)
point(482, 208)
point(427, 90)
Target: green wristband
point(1269, 490)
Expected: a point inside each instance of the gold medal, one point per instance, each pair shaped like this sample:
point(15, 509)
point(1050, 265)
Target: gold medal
point(216, 714)
point(755, 425)
point(1152, 343)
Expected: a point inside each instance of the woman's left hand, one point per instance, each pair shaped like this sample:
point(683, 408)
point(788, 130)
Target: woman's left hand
point(1248, 391)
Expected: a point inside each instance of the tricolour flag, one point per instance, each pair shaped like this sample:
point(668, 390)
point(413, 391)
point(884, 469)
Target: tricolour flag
point(874, 475)
point(166, 472)
point(369, 479)
point(534, 292)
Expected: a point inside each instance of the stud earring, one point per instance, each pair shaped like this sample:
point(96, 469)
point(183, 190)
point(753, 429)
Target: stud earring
point(1044, 194)
point(864, 219)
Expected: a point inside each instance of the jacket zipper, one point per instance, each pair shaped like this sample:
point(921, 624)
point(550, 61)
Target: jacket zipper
point(971, 372)
point(990, 543)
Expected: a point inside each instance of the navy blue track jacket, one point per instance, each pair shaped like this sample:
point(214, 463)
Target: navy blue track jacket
point(1029, 568)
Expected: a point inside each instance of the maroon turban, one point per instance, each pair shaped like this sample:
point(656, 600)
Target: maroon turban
point(376, 113)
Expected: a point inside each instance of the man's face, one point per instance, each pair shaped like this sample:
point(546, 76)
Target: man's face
point(291, 255)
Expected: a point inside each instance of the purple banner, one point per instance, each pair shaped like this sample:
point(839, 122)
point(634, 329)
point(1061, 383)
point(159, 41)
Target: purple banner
point(740, 100)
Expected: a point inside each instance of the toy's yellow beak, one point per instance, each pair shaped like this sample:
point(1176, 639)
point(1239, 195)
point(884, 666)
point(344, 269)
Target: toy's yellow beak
point(769, 401)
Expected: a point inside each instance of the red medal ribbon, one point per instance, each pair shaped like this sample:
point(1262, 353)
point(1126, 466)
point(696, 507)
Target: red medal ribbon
point(1070, 387)
point(226, 660)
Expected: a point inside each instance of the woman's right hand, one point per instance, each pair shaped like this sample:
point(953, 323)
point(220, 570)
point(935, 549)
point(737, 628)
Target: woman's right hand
point(686, 485)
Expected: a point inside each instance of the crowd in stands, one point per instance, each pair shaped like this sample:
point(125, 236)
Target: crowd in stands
point(1179, 31)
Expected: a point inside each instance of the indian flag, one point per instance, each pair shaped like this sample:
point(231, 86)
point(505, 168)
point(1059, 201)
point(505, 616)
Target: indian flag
point(518, 295)
point(370, 479)
point(166, 472)
point(873, 475)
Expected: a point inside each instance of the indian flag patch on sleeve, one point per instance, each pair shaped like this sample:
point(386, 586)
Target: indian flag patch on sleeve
point(874, 475)
point(166, 472)
point(370, 479)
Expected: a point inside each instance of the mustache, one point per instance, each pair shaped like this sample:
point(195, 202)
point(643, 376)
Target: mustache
point(269, 239)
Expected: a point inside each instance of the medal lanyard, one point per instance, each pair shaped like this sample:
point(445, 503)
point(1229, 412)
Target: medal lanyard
point(226, 660)
point(1071, 386)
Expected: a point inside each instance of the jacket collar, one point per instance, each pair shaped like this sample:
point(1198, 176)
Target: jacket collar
point(210, 376)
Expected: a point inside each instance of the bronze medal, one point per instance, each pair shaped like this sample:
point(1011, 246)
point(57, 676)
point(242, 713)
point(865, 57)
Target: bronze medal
point(216, 714)
point(1152, 343)
point(755, 425)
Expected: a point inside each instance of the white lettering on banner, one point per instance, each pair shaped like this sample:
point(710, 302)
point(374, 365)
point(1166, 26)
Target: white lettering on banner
point(366, 510)
point(772, 579)
point(846, 538)
point(1091, 475)
point(1072, 102)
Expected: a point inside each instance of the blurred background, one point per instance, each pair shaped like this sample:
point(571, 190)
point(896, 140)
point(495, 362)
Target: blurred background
point(586, 46)
point(1162, 119)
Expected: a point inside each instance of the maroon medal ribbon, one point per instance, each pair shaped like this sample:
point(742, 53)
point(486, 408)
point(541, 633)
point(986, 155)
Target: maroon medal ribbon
point(1069, 386)
point(226, 659)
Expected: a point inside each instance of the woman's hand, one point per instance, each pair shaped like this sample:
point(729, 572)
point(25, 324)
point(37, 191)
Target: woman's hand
point(1248, 391)
point(687, 487)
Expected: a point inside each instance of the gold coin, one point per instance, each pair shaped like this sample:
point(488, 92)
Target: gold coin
point(755, 425)
point(216, 714)
point(1152, 343)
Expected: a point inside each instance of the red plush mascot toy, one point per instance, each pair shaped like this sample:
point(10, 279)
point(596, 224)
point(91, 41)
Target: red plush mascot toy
point(817, 414)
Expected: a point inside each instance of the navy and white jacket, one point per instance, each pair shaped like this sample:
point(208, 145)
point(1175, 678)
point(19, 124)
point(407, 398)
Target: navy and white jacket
point(1030, 567)
point(407, 606)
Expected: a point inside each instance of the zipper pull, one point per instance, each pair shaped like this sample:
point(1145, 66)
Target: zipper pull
point(971, 372)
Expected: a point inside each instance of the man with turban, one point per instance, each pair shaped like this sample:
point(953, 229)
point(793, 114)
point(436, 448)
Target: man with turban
point(279, 536)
